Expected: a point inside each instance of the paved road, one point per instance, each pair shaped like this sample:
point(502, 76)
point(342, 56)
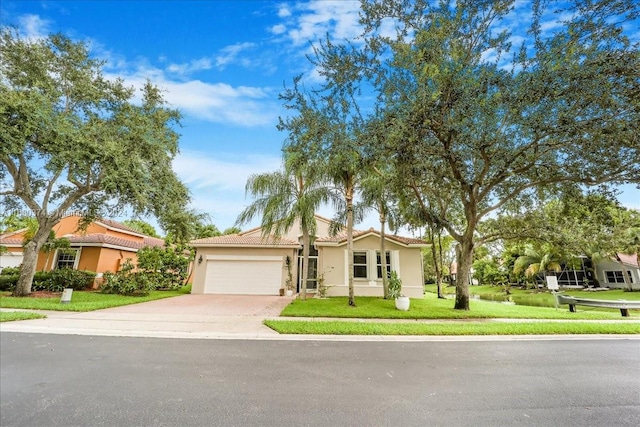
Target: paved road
point(59, 380)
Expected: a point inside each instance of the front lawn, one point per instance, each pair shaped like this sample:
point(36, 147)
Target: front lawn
point(10, 316)
point(430, 307)
point(441, 328)
point(84, 300)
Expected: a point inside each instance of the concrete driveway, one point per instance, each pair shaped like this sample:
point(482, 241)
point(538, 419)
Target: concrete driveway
point(186, 316)
point(209, 305)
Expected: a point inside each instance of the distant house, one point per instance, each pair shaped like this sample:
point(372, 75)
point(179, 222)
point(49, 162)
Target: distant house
point(606, 273)
point(104, 245)
point(610, 273)
point(247, 263)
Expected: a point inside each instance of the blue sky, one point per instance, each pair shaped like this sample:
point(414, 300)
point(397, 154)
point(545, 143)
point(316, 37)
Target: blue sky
point(222, 64)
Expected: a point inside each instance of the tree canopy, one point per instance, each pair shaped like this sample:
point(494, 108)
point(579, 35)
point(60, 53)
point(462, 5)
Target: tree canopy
point(475, 125)
point(141, 226)
point(72, 140)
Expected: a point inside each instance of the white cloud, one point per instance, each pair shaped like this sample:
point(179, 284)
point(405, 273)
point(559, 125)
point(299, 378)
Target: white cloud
point(283, 11)
point(278, 29)
point(191, 66)
point(229, 54)
point(33, 27)
point(319, 17)
point(224, 172)
point(215, 102)
point(217, 184)
point(217, 181)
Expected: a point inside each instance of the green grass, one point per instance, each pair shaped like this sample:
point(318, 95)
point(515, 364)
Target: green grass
point(530, 297)
point(10, 316)
point(84, 300)
point(431, 307)
point(467, 328)
point(487, 290)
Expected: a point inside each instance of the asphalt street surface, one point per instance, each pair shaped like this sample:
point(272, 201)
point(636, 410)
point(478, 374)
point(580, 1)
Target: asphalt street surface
point(64, 380)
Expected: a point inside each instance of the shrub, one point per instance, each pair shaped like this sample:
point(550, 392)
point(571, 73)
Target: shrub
point(10, 271)
point(395, 285)
point(8, 282)
point(127, 282)
point(130, 284)
point(168, 267)
point(75, 279)
point(43, 281)
point(52, 281)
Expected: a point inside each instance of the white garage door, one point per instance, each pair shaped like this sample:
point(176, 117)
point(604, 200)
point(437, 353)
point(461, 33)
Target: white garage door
point(244, 275)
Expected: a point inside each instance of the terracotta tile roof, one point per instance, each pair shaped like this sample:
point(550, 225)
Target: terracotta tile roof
point(115, 224)
point(244, 240)
point(9, 241)
point(242, 233)
point(342, 237)
point(153, 241)
point(5, 239)
point(629, 259)
point(12, 233)
point(104, 239)
point(112, 240)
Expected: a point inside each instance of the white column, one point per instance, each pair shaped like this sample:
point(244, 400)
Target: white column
point(372, 270)
point(346, 267)
point(395, 262)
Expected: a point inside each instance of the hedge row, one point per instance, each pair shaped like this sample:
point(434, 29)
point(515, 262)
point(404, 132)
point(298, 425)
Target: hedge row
point(53, 281)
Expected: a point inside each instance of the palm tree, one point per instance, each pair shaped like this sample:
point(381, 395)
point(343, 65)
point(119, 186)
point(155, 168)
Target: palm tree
point(375, 194)
point(284, 197)
point(537, 260)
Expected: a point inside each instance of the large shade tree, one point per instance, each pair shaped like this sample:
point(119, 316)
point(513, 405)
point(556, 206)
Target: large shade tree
point(474, 119)
point(73, 140)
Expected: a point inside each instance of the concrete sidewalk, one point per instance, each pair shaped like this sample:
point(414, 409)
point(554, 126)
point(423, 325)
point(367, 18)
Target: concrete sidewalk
point(129, 322)
point(107, 323)
point(219, 317)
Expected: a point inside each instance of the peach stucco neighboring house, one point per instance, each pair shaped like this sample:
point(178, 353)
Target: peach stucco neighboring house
point(104, 245)
point(248, 263)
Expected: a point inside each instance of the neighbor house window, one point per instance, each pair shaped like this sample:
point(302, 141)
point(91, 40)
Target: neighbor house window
point(617, 277)
point(66, 258)
point(360, 265)
point(379, 264)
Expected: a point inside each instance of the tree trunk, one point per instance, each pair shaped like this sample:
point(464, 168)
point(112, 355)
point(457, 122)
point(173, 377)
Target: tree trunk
point(434, 257)
point(29, 262)
point(349, 201)
point(464, 257)
point(596, 282)
point(383, 254)
point(305, 264)
point(625, 274)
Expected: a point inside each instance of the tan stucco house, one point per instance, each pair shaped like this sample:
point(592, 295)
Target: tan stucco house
point(248, 263)
point(102, 246)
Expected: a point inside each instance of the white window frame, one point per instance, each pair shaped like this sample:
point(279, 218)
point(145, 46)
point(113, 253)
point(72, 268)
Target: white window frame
point(365, 265)
point(379, 264)
point(54, 264)
point(618, 276)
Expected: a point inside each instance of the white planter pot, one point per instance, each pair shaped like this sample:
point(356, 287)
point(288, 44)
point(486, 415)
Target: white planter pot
point(402, 303)
point(289, 292)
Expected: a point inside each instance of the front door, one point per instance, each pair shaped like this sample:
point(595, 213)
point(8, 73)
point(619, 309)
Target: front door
point(312, 283)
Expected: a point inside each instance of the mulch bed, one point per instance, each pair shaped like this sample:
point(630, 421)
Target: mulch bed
point(45, 294)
